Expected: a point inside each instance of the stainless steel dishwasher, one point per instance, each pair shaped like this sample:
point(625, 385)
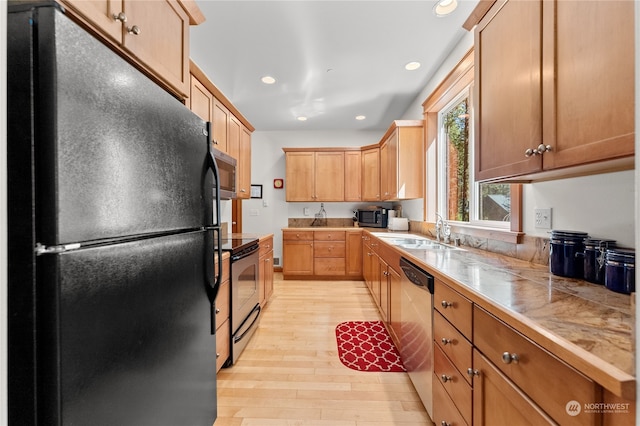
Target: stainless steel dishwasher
point(416, 341)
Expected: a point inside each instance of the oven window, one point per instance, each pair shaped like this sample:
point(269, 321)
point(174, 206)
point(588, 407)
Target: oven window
point(247, 284)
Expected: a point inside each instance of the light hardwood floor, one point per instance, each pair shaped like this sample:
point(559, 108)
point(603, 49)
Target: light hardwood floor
point(290, 373)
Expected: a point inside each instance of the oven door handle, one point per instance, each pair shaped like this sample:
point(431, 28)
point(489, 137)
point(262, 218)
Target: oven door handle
point(255, 310)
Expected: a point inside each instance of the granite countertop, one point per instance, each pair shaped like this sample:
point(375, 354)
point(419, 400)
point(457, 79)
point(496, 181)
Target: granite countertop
point(588, 326)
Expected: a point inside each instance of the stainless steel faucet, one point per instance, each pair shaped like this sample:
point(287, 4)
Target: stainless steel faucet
point(442, 229)
point(439, 226)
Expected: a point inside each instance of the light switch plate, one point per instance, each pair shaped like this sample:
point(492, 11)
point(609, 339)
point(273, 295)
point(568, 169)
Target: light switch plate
point(543, 218)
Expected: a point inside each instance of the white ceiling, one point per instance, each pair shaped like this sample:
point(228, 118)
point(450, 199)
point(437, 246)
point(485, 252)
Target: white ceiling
point(332, 59)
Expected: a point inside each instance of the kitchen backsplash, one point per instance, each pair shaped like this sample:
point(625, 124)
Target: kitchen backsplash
point(332, 222)
point(532, 249)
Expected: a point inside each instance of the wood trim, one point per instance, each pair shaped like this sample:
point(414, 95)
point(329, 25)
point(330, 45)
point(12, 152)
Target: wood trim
point(460, 76)
point(400, 123)
point(477, 14)
point(196, 17)
point(323, 149)
point(206, 82)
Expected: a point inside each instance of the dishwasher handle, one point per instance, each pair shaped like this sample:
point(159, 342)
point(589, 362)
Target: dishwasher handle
point(417, 275)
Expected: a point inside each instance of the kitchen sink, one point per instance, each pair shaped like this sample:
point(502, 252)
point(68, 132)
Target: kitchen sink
point(425, 245)
point(412, 242)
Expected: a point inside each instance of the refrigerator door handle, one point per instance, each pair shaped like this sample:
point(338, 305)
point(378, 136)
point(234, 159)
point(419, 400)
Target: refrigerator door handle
point(211, 162)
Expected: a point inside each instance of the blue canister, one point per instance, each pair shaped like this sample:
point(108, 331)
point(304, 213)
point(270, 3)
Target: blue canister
point(619, 274)
point(565, 253)
point(594, 257)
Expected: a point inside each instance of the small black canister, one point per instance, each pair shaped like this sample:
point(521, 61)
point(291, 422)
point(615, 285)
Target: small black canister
point(620, 270)
point(594, 257)
point(565, 252)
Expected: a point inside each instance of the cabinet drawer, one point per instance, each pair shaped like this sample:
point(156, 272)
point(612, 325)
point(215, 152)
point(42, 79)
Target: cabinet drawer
point(297, 235)
point(453, 344)
point(329, 249)
point(544, 378)
point(329, 235)
point(266, 246)
point(444, 410)
point(222, 304)
point(223, 342)
point(453, 382)
point(329, 266)
point(456, 308)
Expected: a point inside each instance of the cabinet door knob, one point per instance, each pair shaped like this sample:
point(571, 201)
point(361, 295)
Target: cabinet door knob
point(135, 30)
point(445, 378)
point(217, 355)
point(217, 310)
point(542, 148)
point(444, 423)
point(508, 358)
point(471, 372)
point(445, 341)
point(446, 304)
point(120, 17)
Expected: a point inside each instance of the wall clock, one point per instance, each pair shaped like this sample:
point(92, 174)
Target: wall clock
point(278, 183)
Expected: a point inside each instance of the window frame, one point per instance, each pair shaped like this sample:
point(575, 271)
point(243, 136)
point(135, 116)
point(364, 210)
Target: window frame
point(459, 79)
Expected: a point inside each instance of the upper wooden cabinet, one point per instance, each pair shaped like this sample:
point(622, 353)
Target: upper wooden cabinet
point(221, 119)
point(402, 161)
point(371, 173)
point(352, 175)
point(243, 185)
point(314, 175)
point(153, 35)
point(231, 131)
point(554, 89)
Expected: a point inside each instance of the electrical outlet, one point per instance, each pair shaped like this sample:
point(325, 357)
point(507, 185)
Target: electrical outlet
point(543, 218)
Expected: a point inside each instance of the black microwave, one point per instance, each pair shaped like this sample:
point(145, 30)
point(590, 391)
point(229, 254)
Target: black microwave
point(226, 174)
point(373, 217)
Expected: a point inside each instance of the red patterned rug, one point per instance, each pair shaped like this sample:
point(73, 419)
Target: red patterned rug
point(367, 346)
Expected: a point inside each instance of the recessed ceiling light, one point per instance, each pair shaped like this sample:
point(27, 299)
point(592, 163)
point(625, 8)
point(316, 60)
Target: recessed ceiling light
point(267, 79)
point(445, 7)
point(360, 117)
point(302, 118)
point(412, 66)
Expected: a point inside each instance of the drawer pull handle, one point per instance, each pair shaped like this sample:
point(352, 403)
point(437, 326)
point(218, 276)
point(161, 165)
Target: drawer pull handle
point(508, 358)
point(445, 378)
point(446, 304)
point(445, 341)
point(471, 372)
point(217, 310)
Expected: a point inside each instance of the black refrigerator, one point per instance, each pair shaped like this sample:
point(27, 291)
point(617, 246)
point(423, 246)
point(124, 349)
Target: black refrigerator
point(113, 220)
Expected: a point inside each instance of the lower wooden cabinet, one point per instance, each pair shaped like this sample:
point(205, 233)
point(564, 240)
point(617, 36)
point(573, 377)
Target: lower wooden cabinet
point(547, 380)
point(353, 255)
point(329, 249)
point(444, 409)
point(322, 253)
point(497, 401)
point(265, 270)
point(297, 253)
point(221, 309)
